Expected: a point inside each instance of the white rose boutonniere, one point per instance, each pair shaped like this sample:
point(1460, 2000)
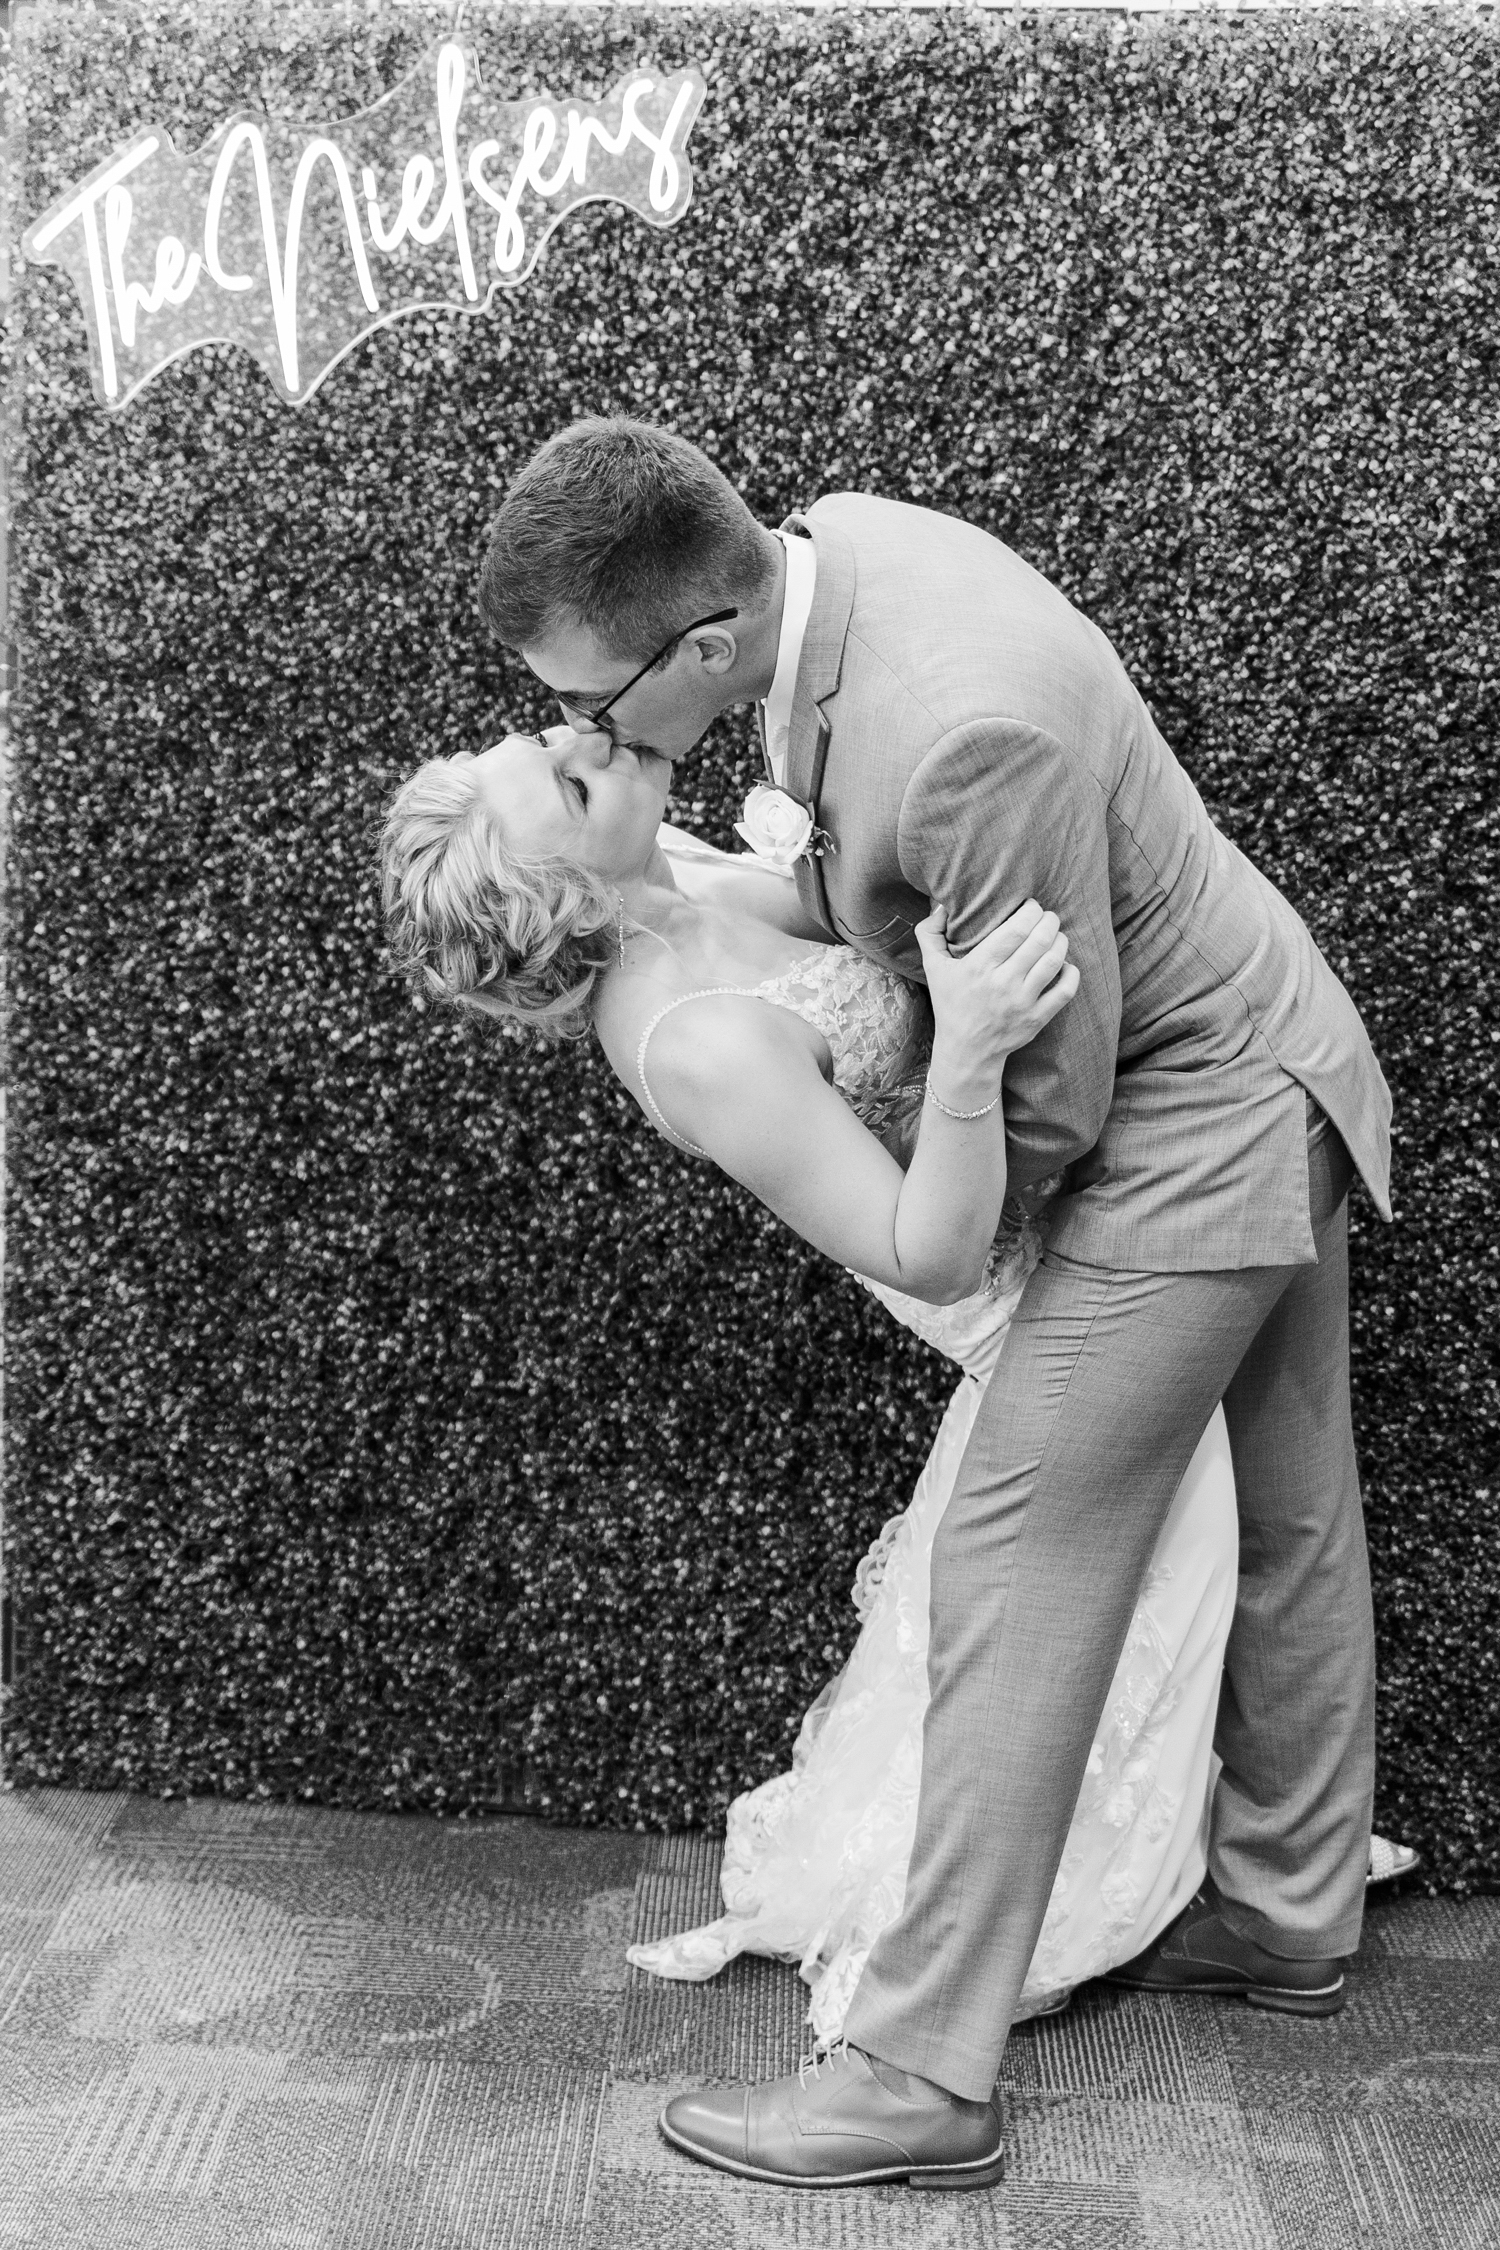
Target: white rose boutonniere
point(778, 827)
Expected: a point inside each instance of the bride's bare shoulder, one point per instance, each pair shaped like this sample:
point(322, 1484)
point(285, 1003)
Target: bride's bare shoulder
point(623, 1008)
point(629, 1005)
point(725, 1036)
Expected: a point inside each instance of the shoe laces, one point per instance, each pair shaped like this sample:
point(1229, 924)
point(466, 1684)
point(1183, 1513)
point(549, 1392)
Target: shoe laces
point(811, 2064)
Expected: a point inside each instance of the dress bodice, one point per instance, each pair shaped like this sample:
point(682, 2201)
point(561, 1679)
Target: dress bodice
point(864, 1011)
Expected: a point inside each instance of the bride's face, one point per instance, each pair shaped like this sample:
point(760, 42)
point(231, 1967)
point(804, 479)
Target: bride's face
point(578, 795)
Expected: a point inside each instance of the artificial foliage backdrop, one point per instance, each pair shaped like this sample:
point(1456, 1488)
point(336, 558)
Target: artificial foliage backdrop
point(390, 1417)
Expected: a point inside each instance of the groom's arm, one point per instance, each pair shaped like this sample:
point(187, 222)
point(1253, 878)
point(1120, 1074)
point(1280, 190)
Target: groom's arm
point(995, 814)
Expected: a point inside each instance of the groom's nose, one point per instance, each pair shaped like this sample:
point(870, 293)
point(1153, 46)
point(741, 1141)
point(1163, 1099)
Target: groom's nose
point(589, 730)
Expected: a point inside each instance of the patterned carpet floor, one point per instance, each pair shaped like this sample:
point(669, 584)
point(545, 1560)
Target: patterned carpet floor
point(231, 2027)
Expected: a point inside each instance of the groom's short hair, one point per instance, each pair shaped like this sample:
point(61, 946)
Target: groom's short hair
point(626, 529)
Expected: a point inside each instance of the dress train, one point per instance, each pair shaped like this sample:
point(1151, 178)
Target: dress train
point(815, 1859)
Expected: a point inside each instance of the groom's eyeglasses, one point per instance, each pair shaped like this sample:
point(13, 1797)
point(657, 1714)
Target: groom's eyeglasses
point(572, 712)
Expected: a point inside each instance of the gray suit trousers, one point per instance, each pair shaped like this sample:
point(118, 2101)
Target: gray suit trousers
point(1102, 1392)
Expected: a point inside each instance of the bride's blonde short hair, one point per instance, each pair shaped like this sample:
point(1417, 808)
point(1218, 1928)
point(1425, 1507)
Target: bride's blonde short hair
point(472, 922)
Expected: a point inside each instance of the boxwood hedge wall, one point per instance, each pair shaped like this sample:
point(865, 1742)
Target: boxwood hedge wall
point(392, 1419)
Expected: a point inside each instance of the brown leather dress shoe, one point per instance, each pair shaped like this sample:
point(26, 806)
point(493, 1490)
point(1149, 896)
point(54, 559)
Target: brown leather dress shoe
point(844, 2120)
point(1200, 1953)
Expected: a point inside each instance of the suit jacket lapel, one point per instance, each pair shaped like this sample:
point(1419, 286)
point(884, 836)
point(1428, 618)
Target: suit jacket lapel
point(812, 884)
point(817, 679)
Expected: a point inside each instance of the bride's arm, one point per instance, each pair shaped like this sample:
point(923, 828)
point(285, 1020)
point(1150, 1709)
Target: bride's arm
point(741, 1080)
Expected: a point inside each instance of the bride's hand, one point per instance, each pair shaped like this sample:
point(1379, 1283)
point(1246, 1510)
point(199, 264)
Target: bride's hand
point(995, 998)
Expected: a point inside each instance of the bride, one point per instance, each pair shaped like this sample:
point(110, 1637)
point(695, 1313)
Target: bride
point(536, 883)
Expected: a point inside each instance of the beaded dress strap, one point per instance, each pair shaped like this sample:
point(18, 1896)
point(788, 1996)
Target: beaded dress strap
point(660, 1018)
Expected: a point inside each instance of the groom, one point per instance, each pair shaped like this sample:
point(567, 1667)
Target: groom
point(962, 734)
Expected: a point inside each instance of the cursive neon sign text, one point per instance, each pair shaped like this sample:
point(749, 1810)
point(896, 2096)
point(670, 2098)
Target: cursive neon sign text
point(298, 241)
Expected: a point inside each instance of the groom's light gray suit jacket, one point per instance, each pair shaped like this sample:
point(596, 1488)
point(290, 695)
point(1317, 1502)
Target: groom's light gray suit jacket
point(968, 736)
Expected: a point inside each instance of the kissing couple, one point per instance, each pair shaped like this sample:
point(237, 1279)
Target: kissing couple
point(994, 1016)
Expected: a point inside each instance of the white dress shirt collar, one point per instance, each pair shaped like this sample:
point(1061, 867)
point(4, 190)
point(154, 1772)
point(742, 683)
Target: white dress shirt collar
point(801, 578)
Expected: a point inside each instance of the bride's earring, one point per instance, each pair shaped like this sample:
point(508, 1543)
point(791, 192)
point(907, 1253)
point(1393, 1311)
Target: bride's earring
point(620, 925)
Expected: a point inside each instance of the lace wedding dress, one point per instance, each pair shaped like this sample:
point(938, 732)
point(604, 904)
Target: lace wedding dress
point(815, 1859)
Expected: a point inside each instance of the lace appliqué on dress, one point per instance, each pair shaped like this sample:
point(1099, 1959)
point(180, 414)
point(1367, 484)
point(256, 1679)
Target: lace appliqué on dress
point(864, 1011)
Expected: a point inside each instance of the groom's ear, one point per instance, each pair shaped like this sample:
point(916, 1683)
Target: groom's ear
point(717, 647)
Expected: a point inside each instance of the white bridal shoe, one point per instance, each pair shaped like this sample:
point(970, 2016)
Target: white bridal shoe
point(1389, 1862)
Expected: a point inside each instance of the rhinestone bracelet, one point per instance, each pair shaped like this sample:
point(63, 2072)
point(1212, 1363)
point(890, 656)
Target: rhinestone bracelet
point(964, 1116)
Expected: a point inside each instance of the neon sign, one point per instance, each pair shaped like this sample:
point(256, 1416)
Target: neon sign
point(297, 241)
